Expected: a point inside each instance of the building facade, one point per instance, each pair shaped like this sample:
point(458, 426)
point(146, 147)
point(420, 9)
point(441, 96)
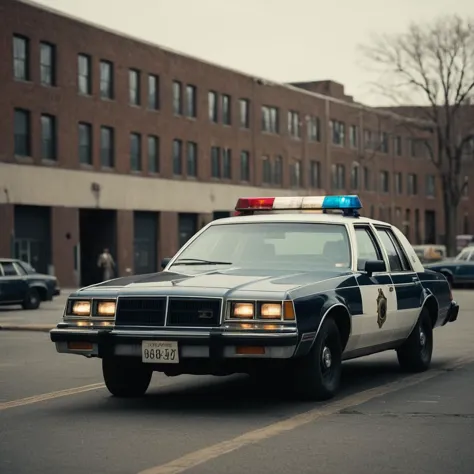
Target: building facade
point(109, 141)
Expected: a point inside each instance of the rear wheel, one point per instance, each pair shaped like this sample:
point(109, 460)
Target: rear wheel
point(125, 377)
point(318, 375)
point(32, 299)
point(416, 352)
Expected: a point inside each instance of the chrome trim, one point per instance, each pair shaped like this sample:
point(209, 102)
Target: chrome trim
point(324, 317)
point(155, 333)
point(83, 332)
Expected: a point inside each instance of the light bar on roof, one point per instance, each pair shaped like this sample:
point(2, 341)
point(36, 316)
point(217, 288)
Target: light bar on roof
point(350, 202)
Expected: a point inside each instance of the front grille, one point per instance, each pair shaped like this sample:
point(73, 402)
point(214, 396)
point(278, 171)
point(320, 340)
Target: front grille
point(199, 312)
point(140, 312)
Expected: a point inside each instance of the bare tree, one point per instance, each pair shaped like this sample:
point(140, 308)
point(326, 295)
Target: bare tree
point(429, 70)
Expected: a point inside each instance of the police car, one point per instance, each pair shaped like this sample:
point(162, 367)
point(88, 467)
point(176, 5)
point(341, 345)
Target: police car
point(289, 285)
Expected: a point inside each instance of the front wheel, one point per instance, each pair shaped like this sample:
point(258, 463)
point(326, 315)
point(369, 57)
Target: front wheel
point(125, 377)
point(32, 299)
point(416, 352)
point(318, 375)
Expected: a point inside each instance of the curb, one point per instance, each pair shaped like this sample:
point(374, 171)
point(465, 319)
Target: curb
point(26, 327)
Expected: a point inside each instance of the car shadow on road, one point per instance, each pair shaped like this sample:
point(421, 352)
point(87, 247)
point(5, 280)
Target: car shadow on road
point(241, 395)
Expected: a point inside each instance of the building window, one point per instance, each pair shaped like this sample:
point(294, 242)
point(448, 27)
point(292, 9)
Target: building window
point(353, 136)
point(367, 176)
point(215, 162)
point(48, 137)
point(266, 170)
point(106, 80)
point(227, 163)
point(398, 183)
point(85, 143)
point(22, 132)
point(270, 119)
point(153, 154)
point(226, 110)
point(430, 185)
point(338, 176)
point(107, 147)
point(177, 157)
point(278, 171)
point(315, 174)
point(295, 174)
point(338, 130)
point(191, 100)
point(398, 145)
point(212, 104)
point(384, 142)
point(177, 98)
point(192, 157)
point(134, 86)
point(412, 185)
point(244, 113)
point(244, 165)
point(48, 64)
point(314, 129)
point(355, 176)
point(84, 74)
point(21, 58)
point(135, 152)
point(384, 182)
point(294, 124)
point(153, 92)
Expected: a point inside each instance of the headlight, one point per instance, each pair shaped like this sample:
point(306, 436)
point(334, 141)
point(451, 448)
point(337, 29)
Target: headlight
point(106, 308)
point(270, 311)
point(81, 308)
point(242, 310)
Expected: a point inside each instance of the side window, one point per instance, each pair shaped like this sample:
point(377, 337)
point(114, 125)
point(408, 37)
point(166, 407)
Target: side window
point(9, 269)
point(367, 248)
point(396, 256)
point(462, 256)
point(19, 269)
point(471, 258)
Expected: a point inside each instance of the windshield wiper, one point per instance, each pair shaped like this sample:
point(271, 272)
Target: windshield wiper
point(199, 261)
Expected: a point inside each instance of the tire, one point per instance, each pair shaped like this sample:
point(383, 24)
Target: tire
point(32, 299)
point(318, 375)
point(416, 352)
point(124, 377)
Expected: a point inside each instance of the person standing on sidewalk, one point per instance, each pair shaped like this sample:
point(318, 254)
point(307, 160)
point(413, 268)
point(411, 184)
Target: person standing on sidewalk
point(107, 264)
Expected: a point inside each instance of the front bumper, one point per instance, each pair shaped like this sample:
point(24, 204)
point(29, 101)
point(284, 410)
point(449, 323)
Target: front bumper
point(214, 344)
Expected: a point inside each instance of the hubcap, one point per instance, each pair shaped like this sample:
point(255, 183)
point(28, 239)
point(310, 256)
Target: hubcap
point(422, 338)
point(326, 357)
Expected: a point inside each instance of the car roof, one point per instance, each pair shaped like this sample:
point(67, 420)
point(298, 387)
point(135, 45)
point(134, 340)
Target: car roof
point(278, 216)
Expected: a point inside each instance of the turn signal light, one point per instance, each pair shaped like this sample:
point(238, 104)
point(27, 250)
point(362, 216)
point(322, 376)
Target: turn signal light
point(288, 311)
point(248, 350)
point(80, 346)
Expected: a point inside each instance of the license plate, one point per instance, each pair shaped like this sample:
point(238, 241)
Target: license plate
point(160, 352)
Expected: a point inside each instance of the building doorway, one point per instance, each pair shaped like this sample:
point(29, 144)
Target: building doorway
point(145, 242)
point(97, 230)
point(32, 241)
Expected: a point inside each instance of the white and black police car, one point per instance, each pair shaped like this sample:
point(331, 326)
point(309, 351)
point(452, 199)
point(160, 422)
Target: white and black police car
point(294, 285)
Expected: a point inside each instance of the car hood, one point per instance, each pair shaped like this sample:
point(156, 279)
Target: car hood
point(235, 282)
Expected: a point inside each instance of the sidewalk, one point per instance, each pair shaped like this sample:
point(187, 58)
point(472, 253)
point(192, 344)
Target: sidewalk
point(43, 319)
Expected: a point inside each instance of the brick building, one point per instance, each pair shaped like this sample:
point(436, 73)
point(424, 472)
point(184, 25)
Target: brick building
point(111, 141)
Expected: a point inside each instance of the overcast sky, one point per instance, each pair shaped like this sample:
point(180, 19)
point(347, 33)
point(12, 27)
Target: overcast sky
point(295, 40)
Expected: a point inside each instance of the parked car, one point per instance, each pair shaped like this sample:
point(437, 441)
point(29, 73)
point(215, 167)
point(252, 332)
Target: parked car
point(458, 271)
point(21, 284)
point(293, 291)
point(430, 253)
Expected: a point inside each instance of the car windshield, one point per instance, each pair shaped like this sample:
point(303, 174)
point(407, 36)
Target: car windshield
point(270, 245)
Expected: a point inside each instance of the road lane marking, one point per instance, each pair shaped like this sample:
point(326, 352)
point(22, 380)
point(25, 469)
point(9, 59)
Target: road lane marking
point(204, 455)
point(49, 396)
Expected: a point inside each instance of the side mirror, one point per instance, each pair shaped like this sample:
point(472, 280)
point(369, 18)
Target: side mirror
point(374, 266)
point(165, 262)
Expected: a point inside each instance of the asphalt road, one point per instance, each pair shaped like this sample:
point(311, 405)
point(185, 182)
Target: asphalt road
point(382, 422)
